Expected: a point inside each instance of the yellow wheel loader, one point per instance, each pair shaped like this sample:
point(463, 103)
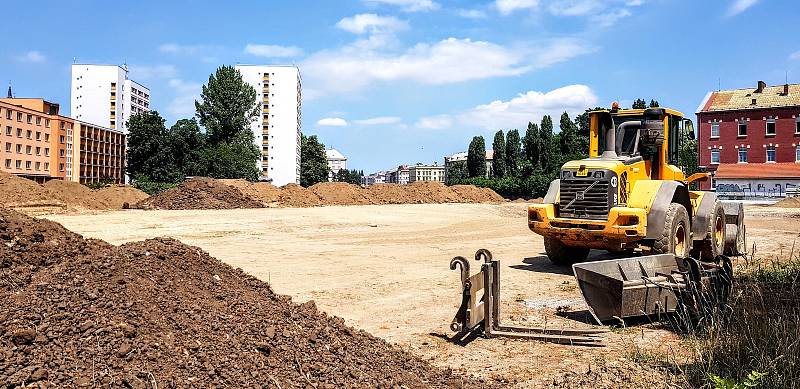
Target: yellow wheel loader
point(629, 196)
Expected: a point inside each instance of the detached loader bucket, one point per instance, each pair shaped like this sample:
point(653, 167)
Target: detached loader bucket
point(622, 288)
point(735, 229)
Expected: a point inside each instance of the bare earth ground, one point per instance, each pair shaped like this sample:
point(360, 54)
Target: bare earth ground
point(385, 269)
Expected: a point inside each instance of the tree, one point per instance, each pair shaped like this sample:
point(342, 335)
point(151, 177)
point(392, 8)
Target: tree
point(228, 106)
point(313, 161)
point(148, 148)
point(236, 159)
point(569, 142)
point(653, 103)
point(639, 104)
point(186, 145)
point(547, 149)
point(532, 144)
point(499, 149)
point(476, 158)
point(512, 153)
point(455, 172)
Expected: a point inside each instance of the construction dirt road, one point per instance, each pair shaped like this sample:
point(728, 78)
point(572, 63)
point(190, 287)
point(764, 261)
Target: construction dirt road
point(384, 269)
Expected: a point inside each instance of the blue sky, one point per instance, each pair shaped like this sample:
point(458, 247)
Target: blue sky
point(405, 81)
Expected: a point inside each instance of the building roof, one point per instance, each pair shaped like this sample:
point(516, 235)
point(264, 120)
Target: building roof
point(742, 99)
point(758, 170)
point(334, 154)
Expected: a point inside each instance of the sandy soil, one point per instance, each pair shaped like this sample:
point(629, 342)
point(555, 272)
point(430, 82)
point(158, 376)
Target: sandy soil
point(385, 269)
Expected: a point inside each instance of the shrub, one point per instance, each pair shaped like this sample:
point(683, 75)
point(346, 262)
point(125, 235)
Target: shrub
point(144, 184)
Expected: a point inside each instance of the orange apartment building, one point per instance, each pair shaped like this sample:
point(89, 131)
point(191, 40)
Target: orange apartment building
point(38, 143)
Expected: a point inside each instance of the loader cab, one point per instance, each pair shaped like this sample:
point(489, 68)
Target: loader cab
point(648, 136)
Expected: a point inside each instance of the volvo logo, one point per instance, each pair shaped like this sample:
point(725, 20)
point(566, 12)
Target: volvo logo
point(614, 182)
point(579, 196)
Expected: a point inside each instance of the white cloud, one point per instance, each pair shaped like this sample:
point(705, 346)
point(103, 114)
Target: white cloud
point(574, 7)
point(174, 48)
point(186, 92)
point(141, 72)
point(449, 61)
point(608, 19)
point(471, 13)
point(508, 6)
point(408, 5)
point(518, 111)
point(273, 51)
point(795, 55)
point(32, 56)
point(739, 6)
point(634, 3)
point(371, 23)
point(332, 122)
point(378, 121)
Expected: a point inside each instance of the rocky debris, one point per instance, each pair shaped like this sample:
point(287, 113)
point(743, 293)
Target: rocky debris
point(617, 374)
point(158, 313)
point(199, 193)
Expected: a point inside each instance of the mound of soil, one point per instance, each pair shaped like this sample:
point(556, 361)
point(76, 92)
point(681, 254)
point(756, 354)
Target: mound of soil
point(293, 195)
point(388, 194)
point(427, 192)
point(158, 313)
point(789, 202)
point(262, 191)
point(473, 194)
point(340, 193)
point(115, 196)
point(199, 193)
point(19, 192)
point(76, 195)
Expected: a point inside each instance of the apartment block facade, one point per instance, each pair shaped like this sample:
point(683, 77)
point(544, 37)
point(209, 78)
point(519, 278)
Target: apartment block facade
point(277, 131)
point(420, 172)
point(336, 161)
point(38, 143)
point(104, 96)
point(749, 139)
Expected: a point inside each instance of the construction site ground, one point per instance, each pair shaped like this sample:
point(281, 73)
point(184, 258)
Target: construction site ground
point(384, 269)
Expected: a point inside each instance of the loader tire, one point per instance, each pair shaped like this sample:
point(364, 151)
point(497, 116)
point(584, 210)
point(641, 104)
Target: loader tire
point(712, 246)
point(675, 238)
point(561, 254)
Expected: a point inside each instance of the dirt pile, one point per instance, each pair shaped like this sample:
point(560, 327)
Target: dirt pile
point(59, 195)
point(199, 193)
point(340, 193)
point(789, 202)
point(423, 192)
point(158, 313)
point(293, 195)
point(388, 194)
point(473, 194)
point(261, 191)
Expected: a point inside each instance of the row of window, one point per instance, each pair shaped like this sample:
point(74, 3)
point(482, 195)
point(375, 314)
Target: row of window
point(743, 155)
point(29, 149)
point(769, 128)
point(29, 118)
point(30, 165)
point(28, 134)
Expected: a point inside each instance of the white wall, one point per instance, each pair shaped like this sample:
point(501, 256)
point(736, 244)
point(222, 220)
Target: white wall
point(90, 99)
point(774, 187)
point(284, 121)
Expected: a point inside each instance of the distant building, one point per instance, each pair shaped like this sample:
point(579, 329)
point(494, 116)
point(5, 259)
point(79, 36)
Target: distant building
point(420, 172)
point(749, 139)
point(40, 144)
point(277, 132)
point(336, 161)
point(462, 156)
point(104, 96)
point(375, 178)
point(398, 176)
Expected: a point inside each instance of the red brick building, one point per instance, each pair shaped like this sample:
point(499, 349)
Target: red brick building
point(749, 139)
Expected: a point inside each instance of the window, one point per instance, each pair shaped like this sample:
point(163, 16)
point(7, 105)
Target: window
point(47, 123)
point(38, 165)
point(60, 152)
point(30, 119)
point(742, 128)
point(8, 164)
point(28, 149)
point(9, 114)
point(29, 134)
point(62, 125)
point(46, 137)
point(47, 166)
point(797, 154)
point(38, 150)
point(19, 116)
point(9, 131)
point(715, 156)
point(38, 120)
point(797, 125)
point(28, 165)
point(18, 164)
point(771, 154)
point(715, 130)
point(61, 139)
point(8, 147)
point(770, 126)
point(19, 132)
point(19, 149)
point(61, 167)
point(742, 155)
point(38, 135)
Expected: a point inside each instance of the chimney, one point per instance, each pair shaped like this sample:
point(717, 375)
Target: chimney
point(786, 89)
point(761, 86)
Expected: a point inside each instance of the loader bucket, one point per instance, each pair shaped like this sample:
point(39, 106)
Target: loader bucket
point(622, 288)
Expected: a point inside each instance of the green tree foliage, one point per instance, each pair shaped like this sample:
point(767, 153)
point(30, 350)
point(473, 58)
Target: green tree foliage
point(532, 144)
point(349, 176)
point(513, 153)
point(499, 149)
point(186, 145)
point(687, 155)
point(653, 103)
point(313, 161)
point(639, 104)
point(228, 106)
point(456, 172)
point(149, 148)
point(547, 150)
point(236, 159)
point(569, 142)
point(476, 157)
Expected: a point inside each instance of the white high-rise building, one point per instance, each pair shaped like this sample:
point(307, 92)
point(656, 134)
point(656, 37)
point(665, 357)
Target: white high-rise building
point(104, 95)
point(277, 132)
